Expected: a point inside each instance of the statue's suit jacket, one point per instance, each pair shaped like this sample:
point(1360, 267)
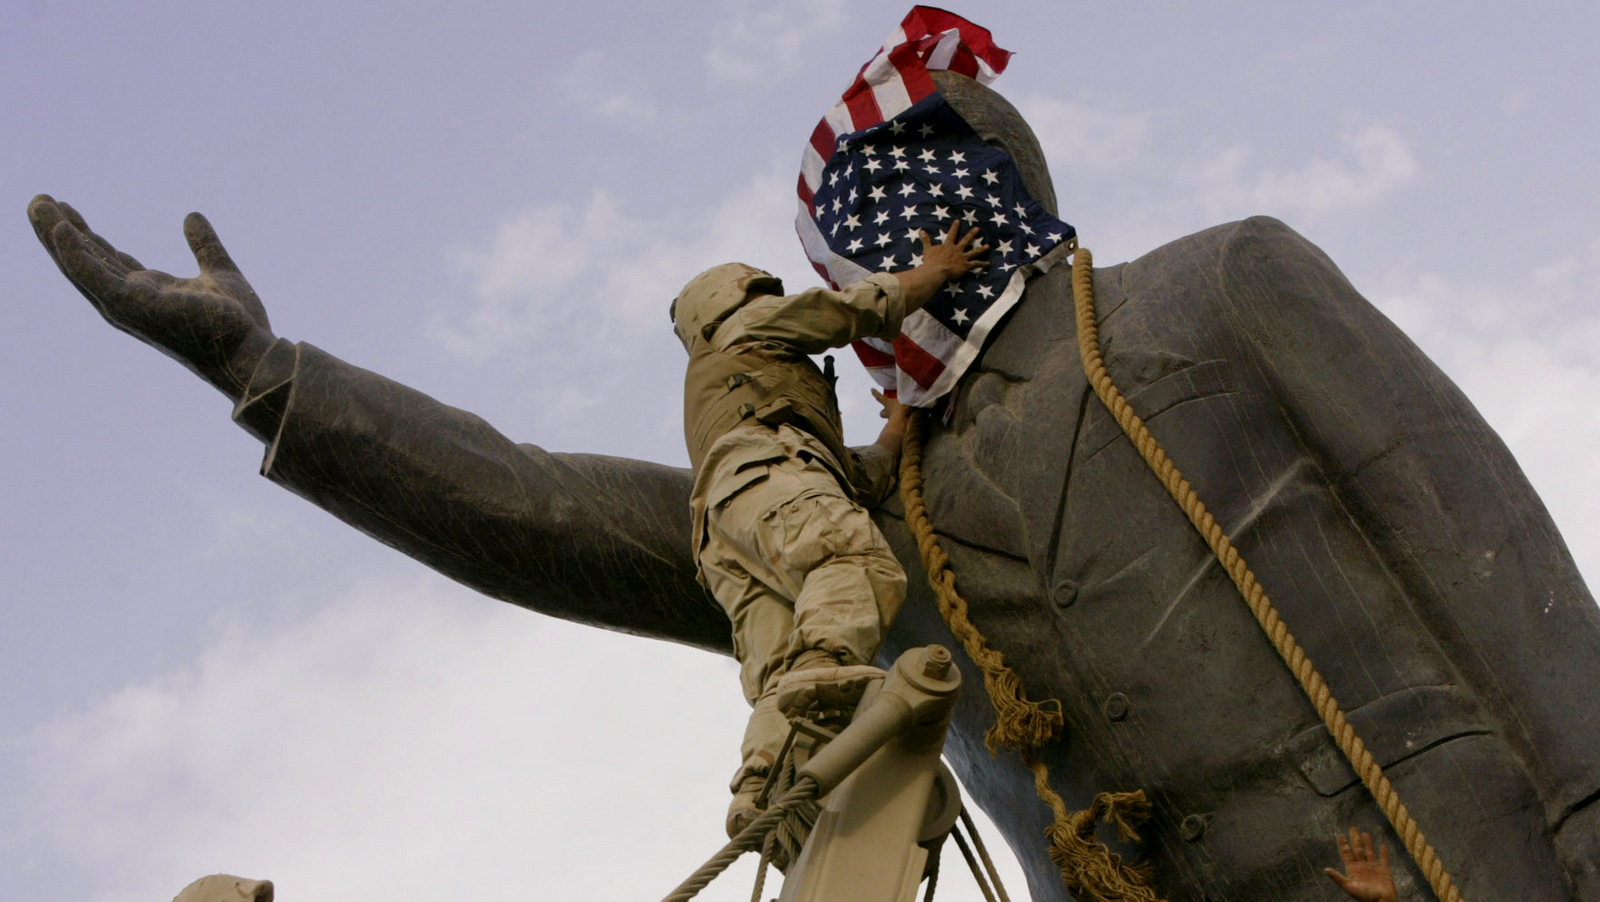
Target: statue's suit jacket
point(1390, 526)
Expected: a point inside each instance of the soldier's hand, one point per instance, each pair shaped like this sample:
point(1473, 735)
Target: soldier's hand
point(1366, 876)
point(213, 323)
point(955, 254)
point(893, 410)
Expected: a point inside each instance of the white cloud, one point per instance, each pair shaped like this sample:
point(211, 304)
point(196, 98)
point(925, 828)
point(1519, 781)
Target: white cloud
point(761, 40)
point(608, 91)
point(403, 743)
point(1085, 135)
point(400, 744)
point(602, 277)
point(1527, 352)
point(1375, 161)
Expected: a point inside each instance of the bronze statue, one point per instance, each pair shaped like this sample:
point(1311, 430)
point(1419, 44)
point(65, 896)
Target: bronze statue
point(1395, 532)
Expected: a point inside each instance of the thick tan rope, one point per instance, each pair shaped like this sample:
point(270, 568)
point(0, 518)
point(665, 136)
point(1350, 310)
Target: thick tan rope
point(1019, 723)
point(752, 837)
point(1022, 725)
point(1266, 615)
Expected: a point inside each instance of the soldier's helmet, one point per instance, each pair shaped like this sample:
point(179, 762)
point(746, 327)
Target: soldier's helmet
point(707, 300)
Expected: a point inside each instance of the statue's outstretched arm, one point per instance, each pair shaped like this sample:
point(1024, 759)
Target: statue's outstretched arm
point(598, 540)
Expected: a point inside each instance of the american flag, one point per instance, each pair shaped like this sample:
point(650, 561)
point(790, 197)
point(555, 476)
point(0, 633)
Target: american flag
point(892, 158)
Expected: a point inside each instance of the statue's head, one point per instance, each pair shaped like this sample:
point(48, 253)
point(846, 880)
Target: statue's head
point(707, 300)
point(999, 123)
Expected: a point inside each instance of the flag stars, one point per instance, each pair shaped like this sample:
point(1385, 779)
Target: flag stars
point(925, 131)
point(909, 211)
point(1022, 212)
point(877, 192)
point(888, 263)
point(926, 156)
point(873, 165)
point(883, 239)
point(913, 234)
point(999, 219)
point(959, 315)
point(1055, 237)
point(881, 218)
point(901, 165)
point(853, 195)
point(833, 178)
point(868, 150)
point(991, 200)
point(961, 173)
point(898, 153)
point(1004, 248)
point(941, 213)
point(931, 170)
point(970, 216)
point(957, 156)
point(852, 221)
point(907, 189)
point(964, 192)
point(916, 260)
point(853, 246)
point(897, 127)
point(1032, 250)
point(837, 205)
point(985, 292)
point(952, 288)
point(991, 178)
point(935, 189)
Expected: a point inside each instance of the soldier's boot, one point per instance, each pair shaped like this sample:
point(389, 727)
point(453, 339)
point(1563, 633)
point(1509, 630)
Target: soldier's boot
point(819, 687)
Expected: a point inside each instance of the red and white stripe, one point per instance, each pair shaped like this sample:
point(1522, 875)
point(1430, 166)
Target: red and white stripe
point(923, 362)
point(897, 77)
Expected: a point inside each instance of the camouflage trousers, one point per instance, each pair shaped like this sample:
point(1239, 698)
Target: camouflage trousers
point(797, 565)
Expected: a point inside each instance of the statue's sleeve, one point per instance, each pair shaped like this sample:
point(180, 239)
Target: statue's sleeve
point(598, 540)
point(1435, 491)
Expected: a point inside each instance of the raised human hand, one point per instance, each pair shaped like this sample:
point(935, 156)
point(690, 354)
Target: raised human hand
point(952, 258)
point(955, 254)
point(1366, 876)
point(213, 323)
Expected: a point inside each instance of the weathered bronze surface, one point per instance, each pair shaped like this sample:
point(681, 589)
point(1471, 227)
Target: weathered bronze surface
point(1391, 526)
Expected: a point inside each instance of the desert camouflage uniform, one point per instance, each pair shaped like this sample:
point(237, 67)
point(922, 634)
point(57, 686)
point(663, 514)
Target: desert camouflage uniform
point(780, 538)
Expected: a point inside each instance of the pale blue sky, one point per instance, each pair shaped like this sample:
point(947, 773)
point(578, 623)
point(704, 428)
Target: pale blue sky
point(494, 205)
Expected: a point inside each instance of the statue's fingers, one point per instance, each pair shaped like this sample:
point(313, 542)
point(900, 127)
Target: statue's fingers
point(1337, 877)
point(43, 214)
point(73, 216)
point(207, 247)
point(85, 264)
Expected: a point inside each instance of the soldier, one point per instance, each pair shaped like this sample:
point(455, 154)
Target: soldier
point(780, 534)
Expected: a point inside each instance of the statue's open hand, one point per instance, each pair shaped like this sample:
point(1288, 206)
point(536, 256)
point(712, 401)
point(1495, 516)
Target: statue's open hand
point(213, 323)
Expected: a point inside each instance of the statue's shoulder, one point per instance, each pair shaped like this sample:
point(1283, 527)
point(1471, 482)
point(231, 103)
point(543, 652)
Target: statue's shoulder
point(1233, 245)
